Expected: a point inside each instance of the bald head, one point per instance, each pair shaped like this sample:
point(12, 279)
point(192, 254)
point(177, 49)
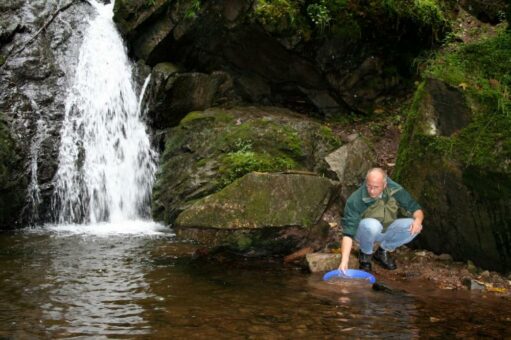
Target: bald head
point(376, 182)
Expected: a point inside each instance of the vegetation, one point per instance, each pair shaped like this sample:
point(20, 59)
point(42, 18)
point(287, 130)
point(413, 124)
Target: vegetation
point(482, 72)
point(343, 17)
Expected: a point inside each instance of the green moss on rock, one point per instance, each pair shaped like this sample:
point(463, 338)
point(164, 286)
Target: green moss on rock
point(212, 148)
point(462, 179)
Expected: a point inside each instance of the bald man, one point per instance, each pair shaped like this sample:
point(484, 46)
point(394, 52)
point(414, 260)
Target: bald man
point(371, 217)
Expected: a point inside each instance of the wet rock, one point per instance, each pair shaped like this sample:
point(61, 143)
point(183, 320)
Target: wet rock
point(321, 262)
point(35, 72)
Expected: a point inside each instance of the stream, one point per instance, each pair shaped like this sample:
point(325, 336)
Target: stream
point(136, 281)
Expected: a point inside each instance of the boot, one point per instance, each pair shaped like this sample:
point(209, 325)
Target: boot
point(364, 261)
point(384, 259)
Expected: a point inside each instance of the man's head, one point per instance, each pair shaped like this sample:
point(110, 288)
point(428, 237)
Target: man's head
point(376, 182)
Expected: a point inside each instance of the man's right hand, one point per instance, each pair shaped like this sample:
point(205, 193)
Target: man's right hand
point(343, 266)
point(346, 244)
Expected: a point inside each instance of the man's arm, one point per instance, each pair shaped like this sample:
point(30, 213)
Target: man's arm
point(416, 226)
point(346, 245)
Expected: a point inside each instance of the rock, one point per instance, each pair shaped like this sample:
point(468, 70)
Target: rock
point(34, 75)
point(321, 262)
point(332, 73)
point(271, 212)
point(485, 274)
point(212, 148)
point(473, 285)
point(350, 163)
point(467, 200)
point(444, 257)
point(171, 95)
point(12, 182)
point(471, 267)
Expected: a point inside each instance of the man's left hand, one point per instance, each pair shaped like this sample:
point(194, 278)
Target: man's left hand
point(415, 227)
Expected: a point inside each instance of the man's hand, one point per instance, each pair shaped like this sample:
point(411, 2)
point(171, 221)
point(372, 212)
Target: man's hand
point(343, 266)
point(416, 226)
point(346, 245)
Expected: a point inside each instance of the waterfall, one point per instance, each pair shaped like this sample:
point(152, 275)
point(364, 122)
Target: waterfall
point(106, 163)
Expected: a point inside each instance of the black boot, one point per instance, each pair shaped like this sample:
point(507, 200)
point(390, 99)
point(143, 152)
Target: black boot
point(384, 259)
point(364, 261)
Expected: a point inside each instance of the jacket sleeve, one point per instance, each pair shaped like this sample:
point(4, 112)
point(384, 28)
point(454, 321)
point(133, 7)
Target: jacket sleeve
point(406, 201)
point(351, 219)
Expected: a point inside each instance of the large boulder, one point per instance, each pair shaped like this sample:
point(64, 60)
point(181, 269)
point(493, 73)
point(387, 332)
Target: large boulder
point(210, 149)
point(172, 94)
point(274, 213)
point(455, 154)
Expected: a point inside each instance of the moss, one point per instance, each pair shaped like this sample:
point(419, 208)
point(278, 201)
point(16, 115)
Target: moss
point(2, 59)
point(239, 163)
point(483, 70)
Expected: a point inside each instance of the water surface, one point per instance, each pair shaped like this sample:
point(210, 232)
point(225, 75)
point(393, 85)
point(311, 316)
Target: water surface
point(140, 283)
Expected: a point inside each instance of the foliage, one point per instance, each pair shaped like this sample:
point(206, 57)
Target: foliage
point(342, 17)
point(427, 12)
point(482, 71)
point(194, 8)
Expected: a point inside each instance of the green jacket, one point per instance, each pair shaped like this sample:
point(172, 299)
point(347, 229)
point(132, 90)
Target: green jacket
point(395, 199)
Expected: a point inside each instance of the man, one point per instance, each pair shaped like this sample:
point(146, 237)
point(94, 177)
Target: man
point(370, 217)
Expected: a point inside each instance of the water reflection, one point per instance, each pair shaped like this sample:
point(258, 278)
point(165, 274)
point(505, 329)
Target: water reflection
point(57, 285)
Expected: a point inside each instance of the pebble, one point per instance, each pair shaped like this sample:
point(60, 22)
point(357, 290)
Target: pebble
point(445, 257)
point(485, 274)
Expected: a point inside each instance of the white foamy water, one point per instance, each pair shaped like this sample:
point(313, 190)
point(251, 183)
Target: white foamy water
point(106, 163)
point(127, 228)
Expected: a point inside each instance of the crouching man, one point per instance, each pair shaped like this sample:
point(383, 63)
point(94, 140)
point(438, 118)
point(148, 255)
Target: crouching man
point(370, 216)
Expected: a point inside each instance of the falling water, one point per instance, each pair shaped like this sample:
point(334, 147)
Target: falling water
point(106, 163)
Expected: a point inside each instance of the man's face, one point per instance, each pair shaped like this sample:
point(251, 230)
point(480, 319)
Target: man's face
point(375, 184)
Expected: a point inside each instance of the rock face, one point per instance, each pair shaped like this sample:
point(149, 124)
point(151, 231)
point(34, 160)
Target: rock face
point(272, 60)
point(268, 212)
point(210, 149)
point(349, 165)
point(12, 182)
point(35, 71)
point(462, 182)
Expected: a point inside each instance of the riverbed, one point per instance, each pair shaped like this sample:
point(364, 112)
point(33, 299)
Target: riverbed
point(106, 282)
